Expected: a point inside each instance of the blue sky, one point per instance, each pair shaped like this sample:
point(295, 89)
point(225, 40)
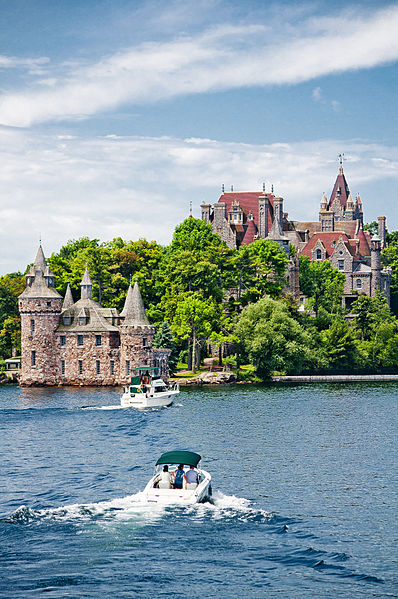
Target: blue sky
point(114, 116)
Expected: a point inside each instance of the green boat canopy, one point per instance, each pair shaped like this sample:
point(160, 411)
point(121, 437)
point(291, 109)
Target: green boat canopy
point(189, 458)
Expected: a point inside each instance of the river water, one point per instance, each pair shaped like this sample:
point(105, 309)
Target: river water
point(304, 481)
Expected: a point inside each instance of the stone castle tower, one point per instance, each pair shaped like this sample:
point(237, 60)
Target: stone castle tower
point(82, 343)
point(40, 307)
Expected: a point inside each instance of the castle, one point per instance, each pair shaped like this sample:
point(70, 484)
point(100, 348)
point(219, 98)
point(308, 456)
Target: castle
point(81, 343)
point(338, 235)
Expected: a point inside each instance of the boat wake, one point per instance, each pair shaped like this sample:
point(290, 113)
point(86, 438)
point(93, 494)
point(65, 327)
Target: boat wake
point(229, 507)
point(135, 507)
point(119, 407)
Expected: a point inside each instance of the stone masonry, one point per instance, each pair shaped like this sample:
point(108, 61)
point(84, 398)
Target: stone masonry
point(82, 343)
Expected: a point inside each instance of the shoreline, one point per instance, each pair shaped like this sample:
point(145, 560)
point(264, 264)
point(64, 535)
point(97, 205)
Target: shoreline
point(334, 378)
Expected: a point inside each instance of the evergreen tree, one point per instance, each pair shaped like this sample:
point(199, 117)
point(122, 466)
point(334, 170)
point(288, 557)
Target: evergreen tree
point(164, 339)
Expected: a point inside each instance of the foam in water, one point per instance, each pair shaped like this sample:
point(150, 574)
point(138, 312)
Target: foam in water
point(229, 506)
point(135, 507)
point(102, 408)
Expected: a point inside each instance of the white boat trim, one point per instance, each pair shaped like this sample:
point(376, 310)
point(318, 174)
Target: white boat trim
point(151, 392)
point(182, 496)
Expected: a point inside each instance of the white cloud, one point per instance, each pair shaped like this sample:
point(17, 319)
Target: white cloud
point(317, 94)
point(62, 187)
point(223, 57)
point(33, 65)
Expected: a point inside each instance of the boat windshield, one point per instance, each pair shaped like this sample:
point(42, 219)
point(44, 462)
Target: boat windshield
point(144, 374)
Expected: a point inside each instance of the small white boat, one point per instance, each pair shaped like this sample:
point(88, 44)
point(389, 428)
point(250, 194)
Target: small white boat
point(190, 493)
point(148, 390)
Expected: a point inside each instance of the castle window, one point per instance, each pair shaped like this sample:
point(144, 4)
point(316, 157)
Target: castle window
point(80, 366)
point(32, 326)
point(62, 366)
point(62, 340)
point(98, 367)
point(127, 367)
point(341, 264)
point(98, 340)
point(359, 284)
point(33, 358)
point(144, 342)
point(112, 367)
point(80, 340)
point(318, 255)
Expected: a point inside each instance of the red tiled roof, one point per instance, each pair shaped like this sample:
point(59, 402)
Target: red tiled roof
point(344, 190)
point(332, 237)
point(327, 239)
point(251, 232)
point(364, 242)
point(248, 201)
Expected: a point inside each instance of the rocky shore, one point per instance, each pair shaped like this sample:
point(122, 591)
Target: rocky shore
point(207, 378)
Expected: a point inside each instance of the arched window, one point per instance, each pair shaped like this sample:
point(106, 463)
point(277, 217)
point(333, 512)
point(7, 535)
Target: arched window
point(318, 254)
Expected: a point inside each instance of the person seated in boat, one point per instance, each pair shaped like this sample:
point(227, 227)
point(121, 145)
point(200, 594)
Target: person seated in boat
point(191, 478)
point(165, 480)
point(179, 477)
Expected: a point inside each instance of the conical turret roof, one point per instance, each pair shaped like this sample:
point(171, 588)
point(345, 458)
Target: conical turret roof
point(40, 279)
point(86, 280)
point(340, 190)
point(68, 299)
point(40, 261)
point(134, 312)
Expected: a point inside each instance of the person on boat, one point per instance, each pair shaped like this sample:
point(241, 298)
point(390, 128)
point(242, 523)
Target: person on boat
point(191, 478)
point(179, 477)
point(165, 480)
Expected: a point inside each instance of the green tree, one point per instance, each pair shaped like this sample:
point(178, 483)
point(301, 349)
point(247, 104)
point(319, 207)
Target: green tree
point(9, 322)
point(259, 269)
point(389, 258)
point(322, 283)
point(272, 339)
point(193, 320)
point(196, 260)
point(339, 346)
point(164, 339)
point(372, 228)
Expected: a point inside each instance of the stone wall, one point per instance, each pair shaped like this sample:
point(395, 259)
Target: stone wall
point(136, 348)
point(89, 363)
point(39, 320)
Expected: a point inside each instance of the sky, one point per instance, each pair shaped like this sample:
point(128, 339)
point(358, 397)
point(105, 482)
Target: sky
point(115, 115)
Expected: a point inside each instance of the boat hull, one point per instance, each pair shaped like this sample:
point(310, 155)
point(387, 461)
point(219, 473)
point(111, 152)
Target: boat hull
point(142, 401)
point(180, 496)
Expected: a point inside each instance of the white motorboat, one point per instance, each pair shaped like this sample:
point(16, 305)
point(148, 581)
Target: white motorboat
point(148, 390)
point(190, 493)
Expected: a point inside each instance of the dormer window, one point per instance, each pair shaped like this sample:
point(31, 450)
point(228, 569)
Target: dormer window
point(67, 320)
point(318, 254)
point(82, 317)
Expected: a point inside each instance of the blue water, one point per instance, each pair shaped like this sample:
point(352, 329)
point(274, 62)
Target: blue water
point(304, 480)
